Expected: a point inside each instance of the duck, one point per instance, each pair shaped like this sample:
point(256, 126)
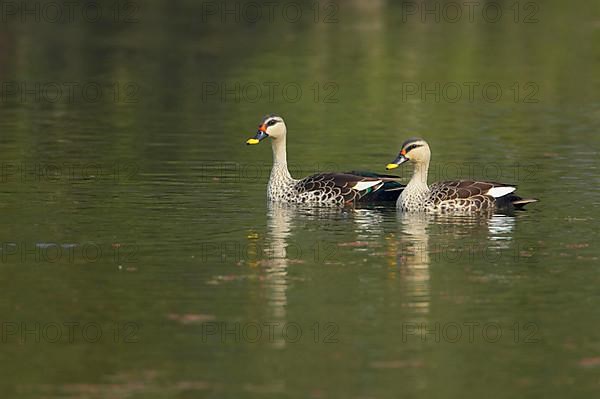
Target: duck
point(339, 189)
point(457, 196)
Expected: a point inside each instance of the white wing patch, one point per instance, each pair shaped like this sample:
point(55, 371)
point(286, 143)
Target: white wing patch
point(363, 185)
point(498, 192)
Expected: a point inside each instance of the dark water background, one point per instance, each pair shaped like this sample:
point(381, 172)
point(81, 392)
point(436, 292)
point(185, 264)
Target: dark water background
point(141, 260)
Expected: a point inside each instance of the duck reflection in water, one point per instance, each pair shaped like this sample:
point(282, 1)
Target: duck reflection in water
point(419, 240)
point(278, 231)
point(412, 258)
point(426, 238)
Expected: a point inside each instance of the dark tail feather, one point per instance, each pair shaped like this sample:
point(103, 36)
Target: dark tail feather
point(390, 191)
point(519, 203)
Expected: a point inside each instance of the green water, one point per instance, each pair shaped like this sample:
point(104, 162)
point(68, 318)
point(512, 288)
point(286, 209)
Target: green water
point(140, 258)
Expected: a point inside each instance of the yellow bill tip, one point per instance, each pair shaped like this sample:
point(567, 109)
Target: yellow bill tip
point(391, 166)
point(252, 141)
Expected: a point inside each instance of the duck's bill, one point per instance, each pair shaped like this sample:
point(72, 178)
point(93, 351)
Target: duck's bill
point(396, 162)
point(260, 135)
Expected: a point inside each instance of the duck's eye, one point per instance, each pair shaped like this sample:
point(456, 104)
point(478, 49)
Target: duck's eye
point(412, 147)
point(271, 122)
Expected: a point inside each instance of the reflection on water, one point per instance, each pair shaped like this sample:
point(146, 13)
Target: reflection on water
point(425, 238)
point(501, 227)
point(418, 241)
point(279, 229)
point(413, 258)
point(368, 222)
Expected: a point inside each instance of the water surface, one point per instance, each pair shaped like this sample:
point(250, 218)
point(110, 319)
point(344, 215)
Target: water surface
point(142, 216)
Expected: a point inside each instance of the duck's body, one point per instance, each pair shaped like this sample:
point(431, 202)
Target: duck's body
point(325, 188)
point(322, 188)
point(466, 196)
point(458, 196)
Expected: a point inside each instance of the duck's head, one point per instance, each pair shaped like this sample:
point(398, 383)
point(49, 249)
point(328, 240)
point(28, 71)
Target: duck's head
point(271, 126)
point(415, 150)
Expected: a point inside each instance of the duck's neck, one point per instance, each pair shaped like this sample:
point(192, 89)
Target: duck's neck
point(417, 186)
point(280, 172)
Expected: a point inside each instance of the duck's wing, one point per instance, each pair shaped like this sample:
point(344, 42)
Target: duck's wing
point(469, 194)
point(348, 187)
point(463, 189)
point(478, 195)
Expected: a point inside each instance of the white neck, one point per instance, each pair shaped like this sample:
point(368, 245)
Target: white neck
point(419, 177)
point(417, 186)
point(280, 169)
